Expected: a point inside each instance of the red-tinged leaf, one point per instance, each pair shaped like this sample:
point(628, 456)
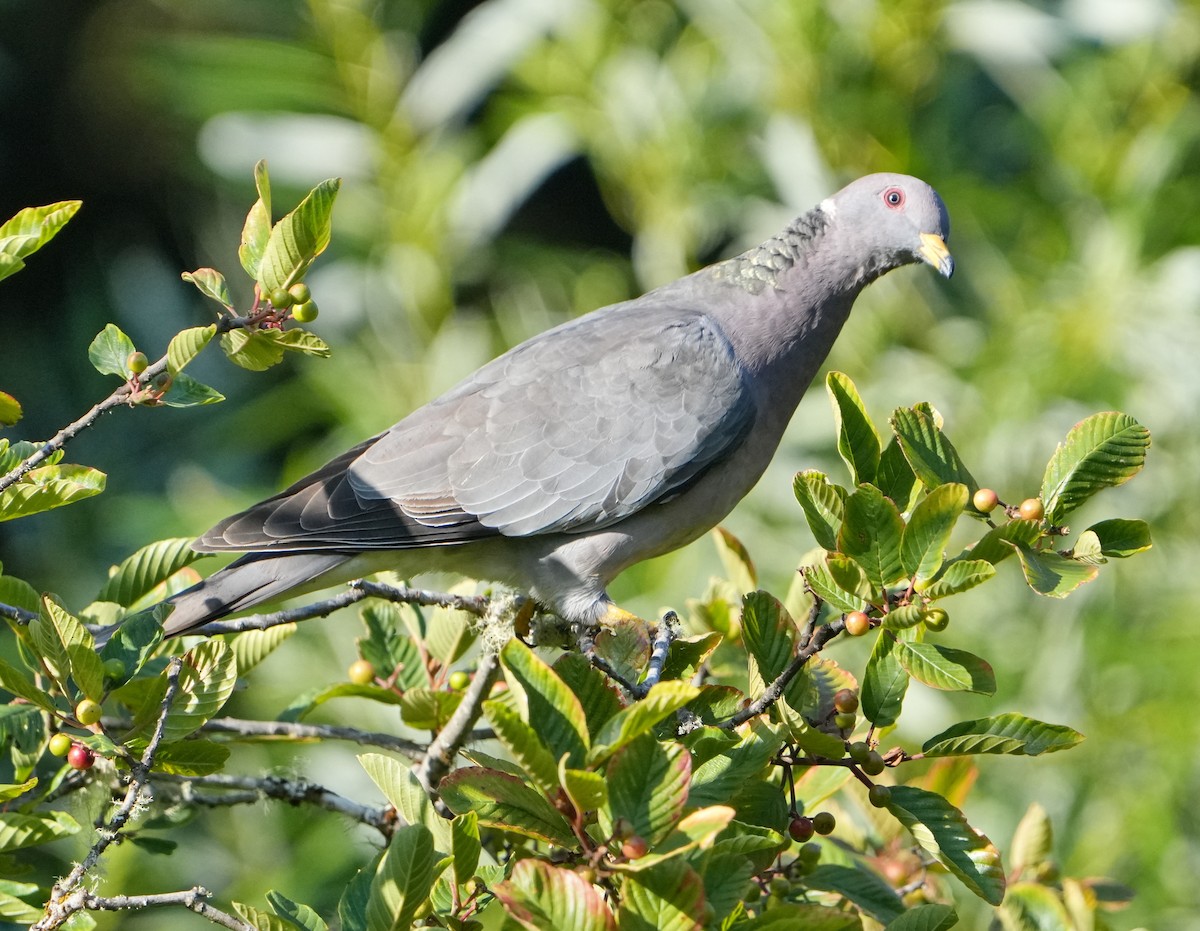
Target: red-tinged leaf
point(506, 802)
point(540, 896)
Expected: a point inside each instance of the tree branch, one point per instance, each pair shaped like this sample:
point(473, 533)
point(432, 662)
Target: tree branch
point(291, 730)
point(20, 615)
point(195, 899)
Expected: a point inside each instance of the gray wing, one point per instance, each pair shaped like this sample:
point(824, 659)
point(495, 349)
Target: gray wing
point(572, 431)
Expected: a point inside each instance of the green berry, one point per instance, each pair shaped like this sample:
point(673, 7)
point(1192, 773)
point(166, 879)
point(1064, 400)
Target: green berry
point(824, 822)
point(809, 854)
point(137, 363)
point(300, 293)
point(845, 700)
point(60, 744)
point(305, 313)
point(459, 680)
point(114, 670)
point(936, 619)
point(361, 672)
point(1031, 509)
point(753, 894)
point(860, 751)
point(87, 712)
point(780, 886)
point(985, 500)
point(845, 721)
point(857, 623)
point(281, 298)
point(879, 796)
point(874, 764)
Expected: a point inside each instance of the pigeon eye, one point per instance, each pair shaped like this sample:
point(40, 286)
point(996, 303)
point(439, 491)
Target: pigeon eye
point(894, 198)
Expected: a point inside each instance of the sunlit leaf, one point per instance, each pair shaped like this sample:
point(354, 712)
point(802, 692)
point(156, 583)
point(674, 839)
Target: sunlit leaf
point(402, 881)
point(821, 580)
point(186, 345)
point(297, 913)
point(506, 802)
point(925, 918)
point(923, 546)
point(768, 633)
point(824, 505)
point(959, 576)
point(1117, 539)
point(298, 238)
point(48, 487)
point(1035, 907)
point(858, 440)
point(669, 897)
point(1033, 841)
point(870, 535)
point(10, 409)
point(145, 570)
point(523, 743)
point(648, 786)
point(210, 283)
point(110, 350)
point(885, 680)
point(547, 703)
point(426, 709)
point(1052, 574)
point(29, 230)
point(739, 567)
point(18, 830)
point(664, 699)
point(540, 896)
point(946, 668)
point(191, 757)
point(1099, 452)
point(257, 228)
point(1009, 733)
point(928, 450)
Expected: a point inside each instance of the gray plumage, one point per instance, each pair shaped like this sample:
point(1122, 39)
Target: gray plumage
point(612, 438)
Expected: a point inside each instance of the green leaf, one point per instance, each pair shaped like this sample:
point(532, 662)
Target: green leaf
point(941, 830)
point(895, 477)
point(726, 882)
point(191, 757)
point(648, 786)
point(298, 238)
point(885, 680)
point(961, 575)
point(145, 570)
point(664, 699)
point(870, 535)
point(1033, 841)
point(1117, 538)
point(504, 801)
point(824, 505)
point(1008, 733)
point(304, 704)
point(259, 919)
point(402, 881)
point(588, 791)
point(186, 345)
point(251, 647)
point(821, 580)
point(352, 906)
point(788, 917)
point(546, 702)
point(767, 631)
point(929, 452)
point(29, 230)
point(19, 683)
point(206, 680)
point(523, 743)
point(994, 545)
point(1102, 451)
point(110, 350)
point(426, 709)
point(1033, 907)
point(946, 668)
point(255, 350)
point(12, 909)
point(304, 342)
point(668, 897)
point(923, 545)
point(464, 845)
point(297, 913)
point(134, 641)
point(739, 567)
point(18, 831)
point(404, 792)
point(864, 888)
point(539, 896)
point(257, 229)
point(903, 617)
point(10, 409)
point(598, 696)
point(83, 662)
point(185, 391)
point(858, 441)
point(1051, 574)
point(391, 652)
point(18, 593)
point(9, 792)
point(49, 487)
point(925, 918)
point(211, 283)
point(726, 771)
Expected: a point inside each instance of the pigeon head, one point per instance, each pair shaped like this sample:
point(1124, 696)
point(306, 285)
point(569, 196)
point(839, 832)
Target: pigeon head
point(896, 220)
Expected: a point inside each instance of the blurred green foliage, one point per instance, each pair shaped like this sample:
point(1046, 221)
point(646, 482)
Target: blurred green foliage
point(511, 163)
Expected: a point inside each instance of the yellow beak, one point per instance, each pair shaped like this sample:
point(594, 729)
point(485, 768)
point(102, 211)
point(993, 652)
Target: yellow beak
point(933, 250)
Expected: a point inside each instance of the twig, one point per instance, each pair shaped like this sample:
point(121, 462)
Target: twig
point(292, 730)
point(357, 591)
point(57, 909)
point(245, 790)
point(20, 615)
point(445, 746)
point(195, 899)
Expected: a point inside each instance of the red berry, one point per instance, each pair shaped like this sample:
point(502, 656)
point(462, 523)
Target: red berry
point(845, 700)
point(1031, 509)
point(801, 828)
point(857, 623)
point(634, 848)
point(80, 757)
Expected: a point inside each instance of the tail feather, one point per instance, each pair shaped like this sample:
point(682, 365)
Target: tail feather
point(251, 580)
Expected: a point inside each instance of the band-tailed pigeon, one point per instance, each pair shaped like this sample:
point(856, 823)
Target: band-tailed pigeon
point(612, 438)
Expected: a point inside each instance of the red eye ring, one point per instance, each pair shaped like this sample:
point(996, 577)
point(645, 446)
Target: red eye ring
point(893, 197)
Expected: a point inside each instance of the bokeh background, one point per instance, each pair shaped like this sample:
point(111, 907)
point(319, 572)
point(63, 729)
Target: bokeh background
point(512, 163)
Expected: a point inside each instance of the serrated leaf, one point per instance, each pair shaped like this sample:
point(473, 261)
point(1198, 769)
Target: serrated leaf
point(299, 914)
point(768, 632)
point(961, 575)
point(1051, 574)
point(251, 647)
point(1009, 733)
point(546, 701)
point(540, 896)
point(1102, 451)
point(648, 786)
point(858, 440)
point(925, 918)
point(994, 545)
point(404, 792)
point(823, 584)
point(298, 238)
point(669, 897)
point(426, 709)
point(523, 743)
point(895, 477)
point(206, 680)
point(402, 881)
point(598, 697)
point(10, 409)
point(210, 283)
point(739, 567)
point(1033, 841)
point(824, 505)
point(663, 699)
point(48, 487)
point(18, 831)
point(946, 668)
point(110, 350)
point(139, 574)
point(76, 645)
point(942, 830)
point(865, 889)
point(186, 345)
point(870, 535)
point(923, 545)
point(885, 680)
point(929, 452)
point(504, 801)
point(1118, 538)
point(257, 228)
point(191, 757)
